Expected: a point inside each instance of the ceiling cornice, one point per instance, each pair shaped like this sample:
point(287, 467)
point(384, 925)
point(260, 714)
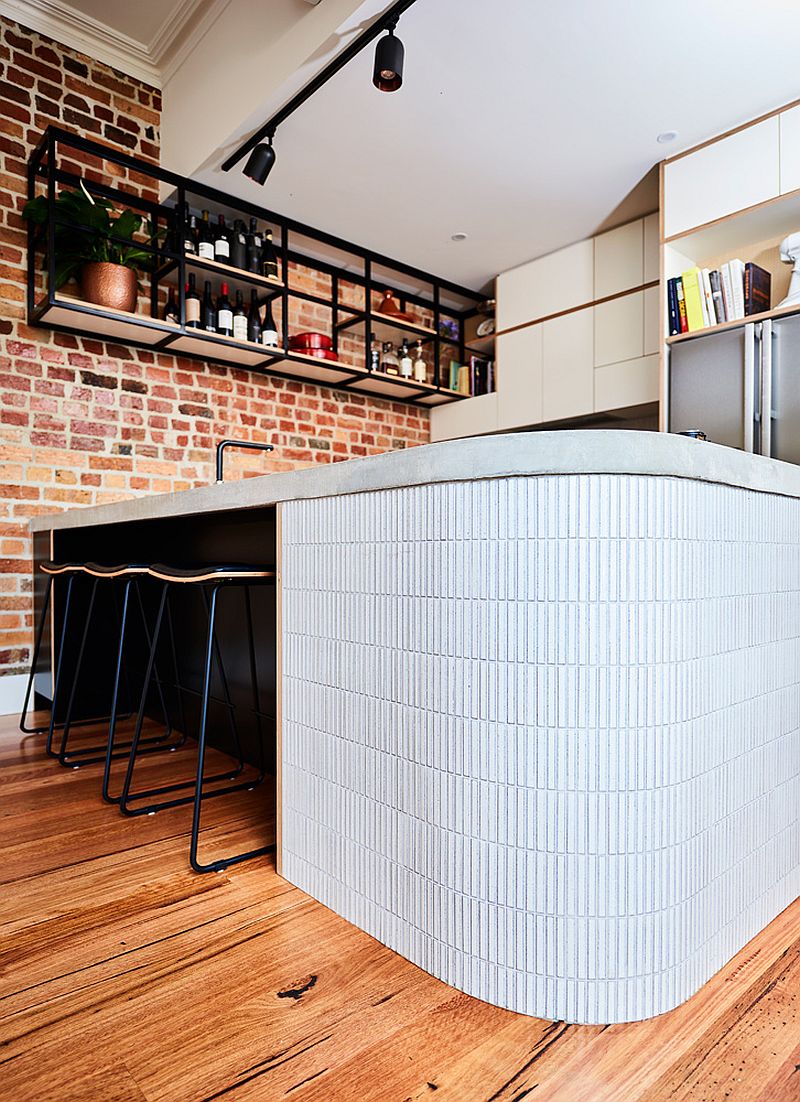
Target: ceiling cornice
point(65, 24)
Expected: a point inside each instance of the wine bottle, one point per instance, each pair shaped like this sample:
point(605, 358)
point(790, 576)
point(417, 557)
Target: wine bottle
point(420, 367)
point(239, 245)
point(374, 353)
point(222, 241)
point(269, 330)
point(190, 235)
point(171, 311)
point(254, 248)
point(254, 318)
point(209, 315)
point(224, 313)
point(192, 304)
point(269, 258)
point(239, 318)
point(406, 363)
point(389, 362)
point(205, 241)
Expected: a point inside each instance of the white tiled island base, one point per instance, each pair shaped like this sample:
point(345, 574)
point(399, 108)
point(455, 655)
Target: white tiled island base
point(541, 733)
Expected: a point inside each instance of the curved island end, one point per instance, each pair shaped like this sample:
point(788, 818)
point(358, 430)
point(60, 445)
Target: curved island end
point(541, 712)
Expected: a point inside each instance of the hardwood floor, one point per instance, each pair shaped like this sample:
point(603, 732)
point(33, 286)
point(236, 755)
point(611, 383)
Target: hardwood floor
point(124, 977)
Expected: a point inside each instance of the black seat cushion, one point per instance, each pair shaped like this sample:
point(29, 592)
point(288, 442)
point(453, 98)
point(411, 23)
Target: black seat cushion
point(50, 567)
point(210, 572)
point(116, 570)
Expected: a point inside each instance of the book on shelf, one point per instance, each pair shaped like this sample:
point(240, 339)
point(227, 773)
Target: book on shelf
point(700, 297)
point(757, 287)
point(474, 378)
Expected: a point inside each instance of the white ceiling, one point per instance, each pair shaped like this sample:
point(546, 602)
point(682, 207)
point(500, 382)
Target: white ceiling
point(520, 122)
point(140, 20)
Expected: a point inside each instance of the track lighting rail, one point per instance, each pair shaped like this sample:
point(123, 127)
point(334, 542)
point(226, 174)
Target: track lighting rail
point(383, 23)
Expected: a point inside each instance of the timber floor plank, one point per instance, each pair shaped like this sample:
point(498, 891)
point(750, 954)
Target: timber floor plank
point(125, 977)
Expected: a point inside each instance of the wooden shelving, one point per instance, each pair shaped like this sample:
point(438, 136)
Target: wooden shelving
point(765, 315)
point(297, 246)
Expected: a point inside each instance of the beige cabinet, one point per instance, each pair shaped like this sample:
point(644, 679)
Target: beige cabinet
point(568, 365)
point(652, 320)
point(519, 377)
point(631, 383)
point(789, 123)
point(619, 259)
point(470, 417)
point(619, 329)
point(560, 281)
point(650, 232)
point(722, 177)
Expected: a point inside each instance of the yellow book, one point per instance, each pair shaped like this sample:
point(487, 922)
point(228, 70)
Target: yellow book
point(692, 290)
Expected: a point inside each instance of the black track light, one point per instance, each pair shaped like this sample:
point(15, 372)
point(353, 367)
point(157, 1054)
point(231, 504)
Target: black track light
point(260, 162)
point(387, 75)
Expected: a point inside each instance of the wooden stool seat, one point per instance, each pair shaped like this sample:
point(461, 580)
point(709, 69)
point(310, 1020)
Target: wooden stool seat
point(214, 572)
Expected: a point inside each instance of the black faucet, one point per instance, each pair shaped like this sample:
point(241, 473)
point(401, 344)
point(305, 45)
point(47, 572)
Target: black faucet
point(223, 444)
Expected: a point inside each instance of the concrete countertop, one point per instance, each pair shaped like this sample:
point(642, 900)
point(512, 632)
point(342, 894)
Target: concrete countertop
point(599, 451)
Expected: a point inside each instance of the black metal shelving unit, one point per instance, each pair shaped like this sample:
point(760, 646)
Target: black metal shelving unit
point(64, 159)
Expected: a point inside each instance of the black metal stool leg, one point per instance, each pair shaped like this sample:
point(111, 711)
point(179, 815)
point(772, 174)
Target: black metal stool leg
point(59, 668)
point(176, 673)
point(112, 723)
point(225, 862)
point(37, 646)
point(157, 677)
point(226, 690)
point(137, 733)
point(65, 728)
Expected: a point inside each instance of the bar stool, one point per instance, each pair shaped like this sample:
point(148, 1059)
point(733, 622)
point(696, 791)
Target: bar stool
point(110, 576)
point(211, 580)
point(52, 570)
point(74, 572)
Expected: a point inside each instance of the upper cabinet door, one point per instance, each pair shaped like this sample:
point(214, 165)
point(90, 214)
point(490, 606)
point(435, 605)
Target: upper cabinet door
point(560, 281)
point(619, 259)
point(789, 122)
point(722, 177)
point(519, 377)
point(568, 365)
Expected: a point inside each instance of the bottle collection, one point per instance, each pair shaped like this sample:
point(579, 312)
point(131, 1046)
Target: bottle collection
point(217, 314)
point(238, 246)
point(384, 358)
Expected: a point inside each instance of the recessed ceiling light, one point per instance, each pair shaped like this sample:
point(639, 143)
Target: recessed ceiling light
point(459, 236)
point(667, 136)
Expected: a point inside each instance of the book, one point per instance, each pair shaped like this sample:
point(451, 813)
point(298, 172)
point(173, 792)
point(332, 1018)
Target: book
point(727, 291)
point(673, 318)
point(695, 315)
point(452, 382)
point(684, 321)
point(757, 287)
point(463, 380)
point(716, 295)
point(737, 287)
point(708, 299)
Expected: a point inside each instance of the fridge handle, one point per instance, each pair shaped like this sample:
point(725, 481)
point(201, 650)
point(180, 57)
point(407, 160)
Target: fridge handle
point(766, 388)
point(749, 385)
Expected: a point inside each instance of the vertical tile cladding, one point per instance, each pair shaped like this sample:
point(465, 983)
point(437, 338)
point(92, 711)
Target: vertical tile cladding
point(542, 735)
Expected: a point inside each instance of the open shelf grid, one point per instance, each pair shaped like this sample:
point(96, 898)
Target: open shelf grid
point(53, 164)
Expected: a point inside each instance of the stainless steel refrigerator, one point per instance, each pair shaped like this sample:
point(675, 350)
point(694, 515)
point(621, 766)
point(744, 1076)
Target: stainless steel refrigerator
point(741, 387)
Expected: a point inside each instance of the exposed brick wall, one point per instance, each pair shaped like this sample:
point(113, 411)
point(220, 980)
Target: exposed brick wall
point(84, 422)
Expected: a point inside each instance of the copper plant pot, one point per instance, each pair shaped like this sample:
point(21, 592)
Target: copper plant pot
point(111, 285)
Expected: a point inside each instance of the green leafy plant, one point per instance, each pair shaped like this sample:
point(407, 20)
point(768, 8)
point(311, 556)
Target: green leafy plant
point(108, 235)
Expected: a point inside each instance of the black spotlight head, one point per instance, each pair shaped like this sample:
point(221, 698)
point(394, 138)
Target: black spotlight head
point(260, 162)
point(387, 75)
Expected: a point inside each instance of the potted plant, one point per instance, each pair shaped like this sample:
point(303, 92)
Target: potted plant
point(102, 255)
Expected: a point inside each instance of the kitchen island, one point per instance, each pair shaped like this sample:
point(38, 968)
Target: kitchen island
point(537, 700)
